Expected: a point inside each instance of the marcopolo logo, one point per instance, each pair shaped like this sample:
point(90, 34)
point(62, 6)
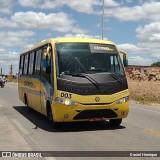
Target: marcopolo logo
point(102, 48)
point(97, 99)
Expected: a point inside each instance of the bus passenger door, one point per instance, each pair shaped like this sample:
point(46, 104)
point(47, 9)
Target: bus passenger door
point(37, 81)
point(46, 77)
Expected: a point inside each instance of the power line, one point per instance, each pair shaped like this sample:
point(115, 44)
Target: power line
point(102, 18)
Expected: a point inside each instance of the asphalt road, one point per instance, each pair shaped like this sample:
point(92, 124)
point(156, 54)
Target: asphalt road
point(21, 130)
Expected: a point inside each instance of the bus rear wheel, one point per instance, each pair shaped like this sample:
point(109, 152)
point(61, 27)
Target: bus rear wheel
point(115, 122)
point(50, 117)
point(26, 103)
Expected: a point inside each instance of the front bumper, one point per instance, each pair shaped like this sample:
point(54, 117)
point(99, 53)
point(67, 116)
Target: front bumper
point(63, 113)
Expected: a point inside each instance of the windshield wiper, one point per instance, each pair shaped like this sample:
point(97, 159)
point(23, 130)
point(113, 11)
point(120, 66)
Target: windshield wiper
point(93, 81)
point(116, 77)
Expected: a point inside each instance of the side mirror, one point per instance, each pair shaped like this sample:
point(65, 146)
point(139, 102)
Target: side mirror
point(124, 58)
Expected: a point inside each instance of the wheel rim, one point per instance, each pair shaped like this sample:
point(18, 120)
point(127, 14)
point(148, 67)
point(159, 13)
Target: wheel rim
point(50, 115)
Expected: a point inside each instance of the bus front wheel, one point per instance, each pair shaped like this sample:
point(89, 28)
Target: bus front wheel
point(115, 122)
point(50, 116)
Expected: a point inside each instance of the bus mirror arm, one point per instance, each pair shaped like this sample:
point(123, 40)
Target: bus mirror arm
point(48, 50)
point(47, 53)
point(46, 56)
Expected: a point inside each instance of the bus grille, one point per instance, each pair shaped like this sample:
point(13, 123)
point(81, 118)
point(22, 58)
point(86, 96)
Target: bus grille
point(100, 113)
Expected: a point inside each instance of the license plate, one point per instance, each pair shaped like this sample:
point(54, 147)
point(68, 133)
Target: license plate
point(96, 119)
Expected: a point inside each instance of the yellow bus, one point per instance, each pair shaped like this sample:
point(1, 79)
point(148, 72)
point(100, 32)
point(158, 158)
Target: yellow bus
point(75, 79)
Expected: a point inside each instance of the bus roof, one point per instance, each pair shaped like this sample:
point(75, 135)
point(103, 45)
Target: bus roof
point(73, 39)
point(80, 39)
point(85, 40)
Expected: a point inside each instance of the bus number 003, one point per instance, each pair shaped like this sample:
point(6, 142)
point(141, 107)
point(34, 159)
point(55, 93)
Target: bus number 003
point(66, 95)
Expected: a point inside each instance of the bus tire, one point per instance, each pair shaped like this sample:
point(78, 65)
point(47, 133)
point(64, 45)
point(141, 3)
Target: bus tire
point(115, 122)
point(50, 116)
point(26, 103)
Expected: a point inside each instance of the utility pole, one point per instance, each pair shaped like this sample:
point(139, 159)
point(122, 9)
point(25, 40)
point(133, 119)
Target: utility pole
point(102, 18)
point(37, 31)
point(11, 72)
point(1, 71)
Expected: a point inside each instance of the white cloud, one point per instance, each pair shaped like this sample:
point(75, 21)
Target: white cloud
point(84, 6)
point(150, 32)
point(7, 23)
point(146, 11)
point(23, 33)
point(140, 48)
point(6, 59)
point(152, 10)
point(85, 36)
point(125, 13)
point(134, 49)
point(80, 6)
point(129, 48)
point(2, 50)
point(148, 37)
point(60, 22)
point(5, 6)
point(157, 55)
point(111, 3)
point(16, 38)
point(128, 1)
point(30, 3)
point(136, 53)
point(138, 60)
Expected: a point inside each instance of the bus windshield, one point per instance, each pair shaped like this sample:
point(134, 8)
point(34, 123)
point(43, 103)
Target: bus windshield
point(88, 58)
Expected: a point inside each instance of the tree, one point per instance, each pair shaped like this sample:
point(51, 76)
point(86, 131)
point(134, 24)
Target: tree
point(156, 64)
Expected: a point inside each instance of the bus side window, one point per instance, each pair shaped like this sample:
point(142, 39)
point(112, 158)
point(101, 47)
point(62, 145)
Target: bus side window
point(25, 70)
point(34, 62)
point(31, 63)
point(38, 61)
point(21, 64)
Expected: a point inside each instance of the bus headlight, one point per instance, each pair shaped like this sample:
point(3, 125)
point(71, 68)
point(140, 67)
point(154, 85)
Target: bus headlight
point(66, 102)
point(122, 100)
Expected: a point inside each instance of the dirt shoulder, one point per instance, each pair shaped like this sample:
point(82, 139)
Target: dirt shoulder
point(145, 92)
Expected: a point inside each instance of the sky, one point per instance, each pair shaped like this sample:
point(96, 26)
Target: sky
point(133, 25)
